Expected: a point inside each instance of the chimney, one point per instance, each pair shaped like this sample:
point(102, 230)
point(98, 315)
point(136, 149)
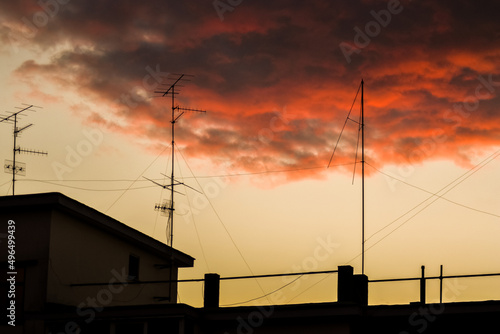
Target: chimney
point(351, 288)
point(212, 288)
point(422, 286)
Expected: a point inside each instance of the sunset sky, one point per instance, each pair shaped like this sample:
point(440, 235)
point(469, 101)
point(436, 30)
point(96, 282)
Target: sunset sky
point(277, 79)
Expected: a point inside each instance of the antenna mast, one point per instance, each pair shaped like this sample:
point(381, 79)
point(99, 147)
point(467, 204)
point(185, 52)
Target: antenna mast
point(13, 166)
point(177, 112)
point(361, 127)
point(362, 179)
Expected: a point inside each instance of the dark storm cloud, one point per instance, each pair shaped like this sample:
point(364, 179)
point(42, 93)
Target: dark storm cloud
point(276, 77)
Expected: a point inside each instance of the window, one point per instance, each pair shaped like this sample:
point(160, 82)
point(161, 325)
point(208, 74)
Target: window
point(133, 267)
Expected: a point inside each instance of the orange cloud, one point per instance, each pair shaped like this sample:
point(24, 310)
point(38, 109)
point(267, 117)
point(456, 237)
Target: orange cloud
point(274, 81)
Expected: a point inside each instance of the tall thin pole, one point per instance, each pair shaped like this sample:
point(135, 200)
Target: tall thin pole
point(172, 174)
point(14, 157)
point(362, 180)
point(173, 182)
point(171, 213)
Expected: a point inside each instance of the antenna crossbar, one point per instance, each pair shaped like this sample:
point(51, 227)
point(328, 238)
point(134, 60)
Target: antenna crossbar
point(176, 113)
point(12, 166)
point(190, 109)
point(22, 150)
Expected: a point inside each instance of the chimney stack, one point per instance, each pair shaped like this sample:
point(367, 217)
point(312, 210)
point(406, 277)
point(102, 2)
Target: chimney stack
point(351, 288)
point(212, 288)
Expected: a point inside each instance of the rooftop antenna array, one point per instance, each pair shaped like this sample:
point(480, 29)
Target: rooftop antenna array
point(167, 207)
point(177, 112)
point(13, 166)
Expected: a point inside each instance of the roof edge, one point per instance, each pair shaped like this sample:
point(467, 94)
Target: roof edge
point(73, 207)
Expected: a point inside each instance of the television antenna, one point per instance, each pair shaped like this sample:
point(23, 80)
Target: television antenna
point(163, 207)
point(177, 112)
point(167, 207)
point(13, 166)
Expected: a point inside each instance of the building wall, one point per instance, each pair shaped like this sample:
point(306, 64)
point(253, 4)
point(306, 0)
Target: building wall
point(82, 253)
point(32, 234)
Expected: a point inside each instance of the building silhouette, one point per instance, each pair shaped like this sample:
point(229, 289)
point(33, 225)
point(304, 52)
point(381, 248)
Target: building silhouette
point(68, 255)
point(80, 271)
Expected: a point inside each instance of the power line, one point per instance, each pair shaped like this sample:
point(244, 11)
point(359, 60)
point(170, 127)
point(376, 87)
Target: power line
point(192, 216)
point(138, 177)
point(276, 275)
point(438, 197)
point(434, 194)
point(83, 189)
point(1, 185)
point(193, 177)
point(223, 225)
point(472, 171)
point(158, 212)
point(310, 287)
point(265, 295)
point(58, 182)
